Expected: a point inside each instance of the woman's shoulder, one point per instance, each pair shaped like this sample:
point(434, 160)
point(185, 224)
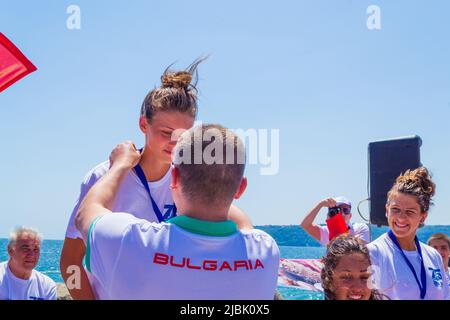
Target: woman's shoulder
point(96, 172)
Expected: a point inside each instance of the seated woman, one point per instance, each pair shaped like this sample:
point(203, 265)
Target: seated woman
point(346, 270)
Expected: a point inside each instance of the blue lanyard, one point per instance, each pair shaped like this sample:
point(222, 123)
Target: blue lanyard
point(141, 175)
point(423, 283)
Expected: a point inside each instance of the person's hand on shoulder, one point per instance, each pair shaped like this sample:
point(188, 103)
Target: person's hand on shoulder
point(125, 155)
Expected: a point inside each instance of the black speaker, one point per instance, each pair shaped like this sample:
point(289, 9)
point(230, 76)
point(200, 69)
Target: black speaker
point(387, 160)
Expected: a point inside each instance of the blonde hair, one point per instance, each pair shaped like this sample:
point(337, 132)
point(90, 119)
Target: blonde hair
point(176, 93)
point(439, 236)
point(416, 183)
point(212, 181)
point(19, 231)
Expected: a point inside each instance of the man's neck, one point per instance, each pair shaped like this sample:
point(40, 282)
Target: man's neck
point(21, 274)
point(153, 168)
point(211, 214)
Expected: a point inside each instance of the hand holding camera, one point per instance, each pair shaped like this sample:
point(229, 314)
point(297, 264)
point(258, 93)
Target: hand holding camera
point(329, 203)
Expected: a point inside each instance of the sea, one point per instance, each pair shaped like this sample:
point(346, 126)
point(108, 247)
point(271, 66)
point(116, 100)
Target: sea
point(294, 243)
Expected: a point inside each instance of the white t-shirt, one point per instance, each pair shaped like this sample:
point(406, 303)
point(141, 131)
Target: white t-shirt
point(393, 277)
point(360, 230)
point(37, 287)
point(132, 197)
point(136, 259)
point(448, 281)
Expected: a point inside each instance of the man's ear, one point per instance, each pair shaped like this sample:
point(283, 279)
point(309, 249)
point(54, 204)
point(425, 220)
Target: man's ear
point(10, 250)
point(175, 173)
point(241, 188)
point(143, 124)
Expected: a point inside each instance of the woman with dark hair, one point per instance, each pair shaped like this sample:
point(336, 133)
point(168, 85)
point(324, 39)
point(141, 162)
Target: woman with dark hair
point(346, 270)
point(404, 267)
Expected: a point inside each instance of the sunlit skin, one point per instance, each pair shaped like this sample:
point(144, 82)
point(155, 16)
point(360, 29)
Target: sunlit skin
point(348, 216)
point(24, 256)
point(161, 135)
point(442, 247)
point(404, 217)
point(350, 278)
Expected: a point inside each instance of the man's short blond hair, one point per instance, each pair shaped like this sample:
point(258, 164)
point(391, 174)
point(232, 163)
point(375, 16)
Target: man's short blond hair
point(439, 236)
point(211, 161)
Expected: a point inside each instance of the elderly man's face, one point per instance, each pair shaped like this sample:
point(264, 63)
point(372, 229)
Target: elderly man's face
point(26, 251)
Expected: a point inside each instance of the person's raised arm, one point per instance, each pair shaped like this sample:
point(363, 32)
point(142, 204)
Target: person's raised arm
point(100, 197)
point(308, 221)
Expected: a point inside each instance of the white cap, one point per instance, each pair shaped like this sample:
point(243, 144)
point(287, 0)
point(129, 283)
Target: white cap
point(342, 200)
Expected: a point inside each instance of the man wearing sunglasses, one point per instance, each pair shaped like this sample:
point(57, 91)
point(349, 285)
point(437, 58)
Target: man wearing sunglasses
point(335, 206)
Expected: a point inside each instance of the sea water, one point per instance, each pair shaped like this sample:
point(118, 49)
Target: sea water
point(303, 248)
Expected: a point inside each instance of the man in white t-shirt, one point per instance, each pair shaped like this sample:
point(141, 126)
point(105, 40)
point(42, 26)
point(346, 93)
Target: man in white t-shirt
point(18, 279)
point(441, 242)
point(131, 197)
point(322, 233)
point(200, 254)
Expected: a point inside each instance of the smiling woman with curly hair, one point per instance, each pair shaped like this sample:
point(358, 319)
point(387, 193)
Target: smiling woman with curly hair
point(405, 268)
point(346, 271)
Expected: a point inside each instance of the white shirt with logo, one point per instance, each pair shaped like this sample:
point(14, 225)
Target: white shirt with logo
point(360, 230)
point(37, 287)
point(448, 281)
point(132, 197)
point(135, 259)
point(393, 277)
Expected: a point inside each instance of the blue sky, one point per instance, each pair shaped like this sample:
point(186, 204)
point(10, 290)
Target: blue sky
point(311, 69)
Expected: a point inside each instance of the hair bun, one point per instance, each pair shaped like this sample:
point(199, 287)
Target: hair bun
point(181, 79)
point(420, 178)
point(417, 183)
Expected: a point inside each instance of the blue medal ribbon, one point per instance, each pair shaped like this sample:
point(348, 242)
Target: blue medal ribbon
point(423, 283)
point(141, 175)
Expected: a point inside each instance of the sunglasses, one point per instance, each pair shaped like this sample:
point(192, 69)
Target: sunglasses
point(335, 210)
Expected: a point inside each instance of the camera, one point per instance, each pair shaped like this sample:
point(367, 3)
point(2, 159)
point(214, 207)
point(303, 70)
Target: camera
point(334, 211)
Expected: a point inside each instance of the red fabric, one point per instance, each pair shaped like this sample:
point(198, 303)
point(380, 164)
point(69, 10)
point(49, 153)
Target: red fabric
point(336, 226)
point(13, 64)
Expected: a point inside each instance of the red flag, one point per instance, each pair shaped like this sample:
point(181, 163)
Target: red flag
point(13, 64)
point(336, 226)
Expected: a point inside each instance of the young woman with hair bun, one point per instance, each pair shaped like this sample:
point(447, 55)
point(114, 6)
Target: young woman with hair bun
point(145, 192)
point(405, 268)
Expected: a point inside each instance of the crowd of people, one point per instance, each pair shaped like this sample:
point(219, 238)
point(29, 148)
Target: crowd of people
point(159, 223)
